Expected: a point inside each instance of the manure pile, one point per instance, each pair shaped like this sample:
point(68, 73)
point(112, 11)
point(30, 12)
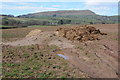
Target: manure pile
point(81, 33)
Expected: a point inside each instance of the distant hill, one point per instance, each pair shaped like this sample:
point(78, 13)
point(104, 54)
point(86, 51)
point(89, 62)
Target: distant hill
point(60, 13)
point(53, 18)
point(3, 15)
point(74, 16)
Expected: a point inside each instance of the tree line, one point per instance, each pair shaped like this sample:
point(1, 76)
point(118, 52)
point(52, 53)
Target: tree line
point(18, 23)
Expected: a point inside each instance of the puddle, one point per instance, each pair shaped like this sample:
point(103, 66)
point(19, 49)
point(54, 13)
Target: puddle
point(65, 57)
point(60, 53)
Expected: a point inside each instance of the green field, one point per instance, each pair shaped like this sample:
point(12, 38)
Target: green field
point(4, 26)
point(38, 26)
point(58, 20)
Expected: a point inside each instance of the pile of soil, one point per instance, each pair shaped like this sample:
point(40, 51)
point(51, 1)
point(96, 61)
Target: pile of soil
point(34, 32)
point(81, 33)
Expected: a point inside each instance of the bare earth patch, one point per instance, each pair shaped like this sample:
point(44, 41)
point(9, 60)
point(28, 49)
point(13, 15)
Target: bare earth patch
point(97, 58)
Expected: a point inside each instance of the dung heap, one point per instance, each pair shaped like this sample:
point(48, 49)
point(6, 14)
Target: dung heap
point(81, 33)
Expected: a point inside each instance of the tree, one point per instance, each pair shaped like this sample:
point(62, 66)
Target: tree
point(68, 21)
point(103, 22)
point(60, 22)
point(91, 22)
point(54, 15)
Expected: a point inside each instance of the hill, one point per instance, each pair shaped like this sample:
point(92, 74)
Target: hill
point(60, 13)
point(51, 18)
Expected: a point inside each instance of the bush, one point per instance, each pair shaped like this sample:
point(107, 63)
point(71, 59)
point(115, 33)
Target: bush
point(64, 22)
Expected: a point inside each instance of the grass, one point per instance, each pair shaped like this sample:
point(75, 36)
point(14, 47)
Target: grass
point(54, 47)
point(28, 61)
point(5, 35)
point(18, 33)
point(36, 19)
point(79, 47)
point(4, 26)
point(11, 34)
point(38, 26)
point(115, 39)
point(74, 18)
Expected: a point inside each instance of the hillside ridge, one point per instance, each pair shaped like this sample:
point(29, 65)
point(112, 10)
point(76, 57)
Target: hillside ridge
point(60, 13)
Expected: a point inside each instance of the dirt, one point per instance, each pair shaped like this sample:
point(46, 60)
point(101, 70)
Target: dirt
point(97, 58)
point(34, 33)
point(33, 62)
point(81, 33)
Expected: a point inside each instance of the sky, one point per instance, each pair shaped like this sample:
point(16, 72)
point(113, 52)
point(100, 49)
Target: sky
point(101, 7)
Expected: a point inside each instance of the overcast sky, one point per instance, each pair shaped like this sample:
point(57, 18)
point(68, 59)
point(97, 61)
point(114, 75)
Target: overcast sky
point(102, 7)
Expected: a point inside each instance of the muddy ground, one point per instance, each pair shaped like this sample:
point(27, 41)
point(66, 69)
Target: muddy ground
point(98, 58)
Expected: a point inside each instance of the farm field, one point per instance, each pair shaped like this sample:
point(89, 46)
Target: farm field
point(37, 56)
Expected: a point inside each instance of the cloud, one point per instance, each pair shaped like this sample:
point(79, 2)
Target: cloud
point(74, 9)
point(98, 6)
point(56, 5)
point(87, 1)
point(30, 8)
point(101, 8)
point(96, 2)
point(18, 1)
point(22, 3)
point(41, 1)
